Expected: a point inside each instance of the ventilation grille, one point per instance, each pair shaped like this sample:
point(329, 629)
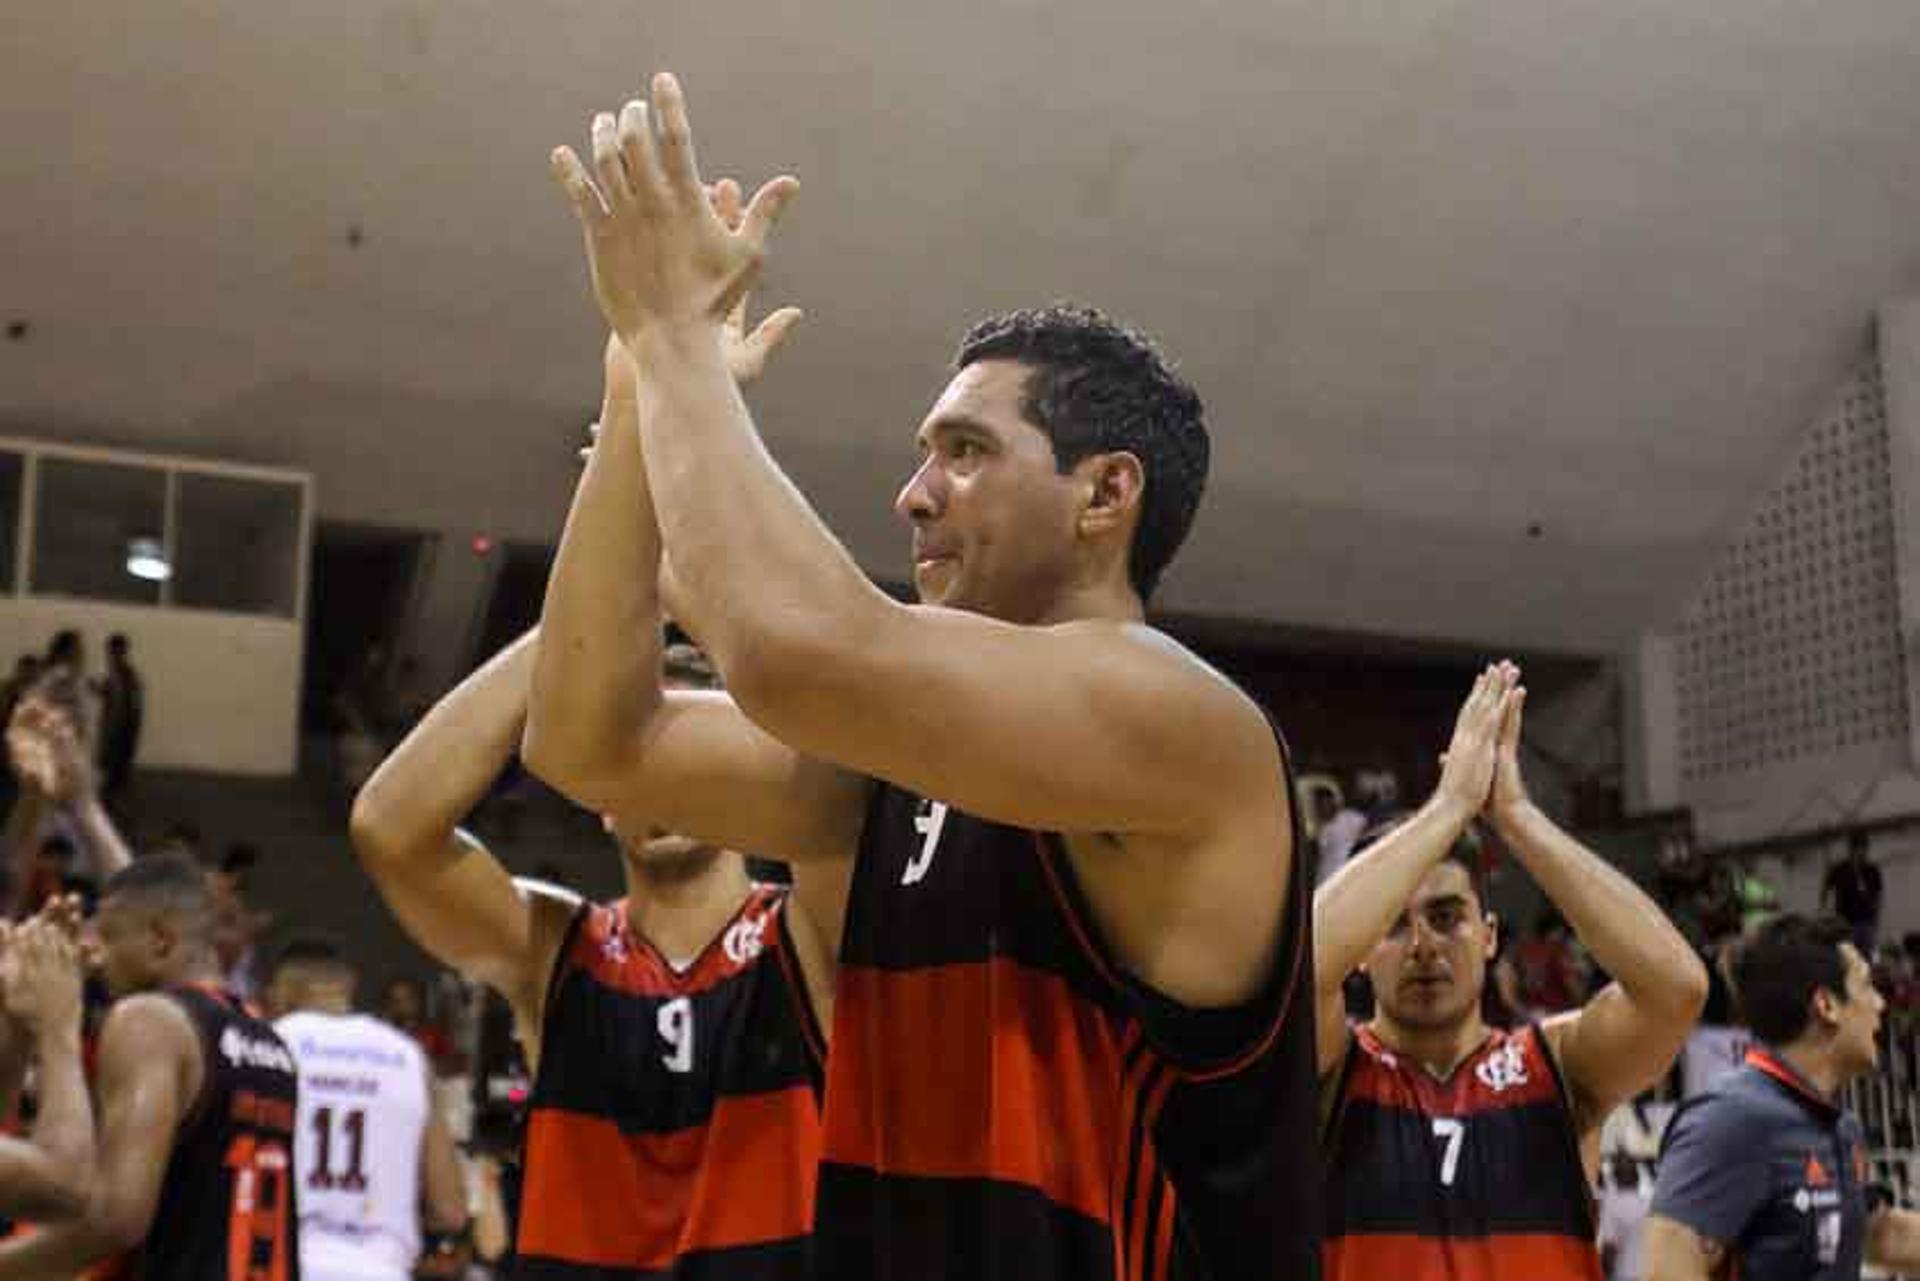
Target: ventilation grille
point(1792, 649)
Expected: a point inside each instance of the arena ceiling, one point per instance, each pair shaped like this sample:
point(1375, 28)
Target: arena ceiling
point(1505, 310)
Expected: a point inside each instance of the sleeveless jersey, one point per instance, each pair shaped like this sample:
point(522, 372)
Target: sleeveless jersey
point(1475, 1178)
point(674, 1129)
point(356, 1157)
point(1005, 1101)
point(227, 1207)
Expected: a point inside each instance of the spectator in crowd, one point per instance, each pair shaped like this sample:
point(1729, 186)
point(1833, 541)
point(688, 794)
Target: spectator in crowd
point(1339, 826)
point(122, 708)
point(64, 669)
point(238, 925)
point(1853, 890)
point(1765, 1175)
point(1553, 974)
point(405, 1007)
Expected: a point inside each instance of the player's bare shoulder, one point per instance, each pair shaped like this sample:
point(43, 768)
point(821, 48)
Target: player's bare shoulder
point(1223, 736)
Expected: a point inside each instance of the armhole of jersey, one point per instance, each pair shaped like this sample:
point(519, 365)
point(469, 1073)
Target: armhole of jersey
point(1264, 1015)
point(558, 971)
point(1569, 1127)
point(794, 976)
point(1334, 1110)
point(198, 1107)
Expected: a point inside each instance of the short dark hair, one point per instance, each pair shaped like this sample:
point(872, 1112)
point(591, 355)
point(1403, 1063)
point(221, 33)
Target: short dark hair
point(241, 856)
point(170, 884)
point(64, 645)
point(1777, 969)
point(1095, 387)
point(311, 951)
point(118, 644)
point(1467, 851)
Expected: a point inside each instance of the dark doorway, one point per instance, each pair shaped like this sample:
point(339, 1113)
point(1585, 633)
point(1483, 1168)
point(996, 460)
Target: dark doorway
point(363, 577)
point(519, 590)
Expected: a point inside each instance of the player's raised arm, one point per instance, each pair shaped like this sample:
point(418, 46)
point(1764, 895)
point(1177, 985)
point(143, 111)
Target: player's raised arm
point(149, 1070)
point(48, 1174)
point(1355, 908)
point(1624, 1039)
point(1131, 732)
point(449, 892)
point(600, 727)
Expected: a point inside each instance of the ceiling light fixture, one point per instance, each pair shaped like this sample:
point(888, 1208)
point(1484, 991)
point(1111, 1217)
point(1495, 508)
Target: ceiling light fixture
point(147, 559)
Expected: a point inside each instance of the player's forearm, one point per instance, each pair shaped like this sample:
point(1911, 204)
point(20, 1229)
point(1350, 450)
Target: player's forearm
point(63, 1129)
point(598, 675)
point(107, 850)
point(1624, 929)
point(441, 770)
point(1356, 907)
point(764, 584)
point(60, 1251)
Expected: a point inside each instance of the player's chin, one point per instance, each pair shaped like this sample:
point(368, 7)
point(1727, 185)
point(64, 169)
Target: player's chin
point(934, 581)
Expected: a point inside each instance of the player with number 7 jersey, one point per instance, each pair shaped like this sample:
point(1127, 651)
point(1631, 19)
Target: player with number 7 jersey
point(1455, 1151)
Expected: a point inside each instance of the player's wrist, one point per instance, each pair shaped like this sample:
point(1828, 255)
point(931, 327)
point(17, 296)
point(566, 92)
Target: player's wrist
point(1451, 807)
point(1513, 815)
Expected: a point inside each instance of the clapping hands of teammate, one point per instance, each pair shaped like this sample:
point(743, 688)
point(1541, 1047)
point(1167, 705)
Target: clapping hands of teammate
point(40, 974)
point(660, 252)
point(47, 751)
point(1469, 768)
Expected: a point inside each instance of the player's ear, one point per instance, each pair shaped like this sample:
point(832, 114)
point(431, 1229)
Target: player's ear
point(1113, 485)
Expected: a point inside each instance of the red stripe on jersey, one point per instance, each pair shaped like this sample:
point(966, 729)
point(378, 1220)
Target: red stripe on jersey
point(1518, 1257)
point(598, 1197)
point(1047, 1113)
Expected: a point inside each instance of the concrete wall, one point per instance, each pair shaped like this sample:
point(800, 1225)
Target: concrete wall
point(222, 690)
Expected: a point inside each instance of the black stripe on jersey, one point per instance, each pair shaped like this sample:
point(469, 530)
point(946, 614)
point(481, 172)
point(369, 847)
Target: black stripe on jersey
point(796, 978)
point(1150, 1266)
point(600, 1041)
point(896, 1227)
point(979, 870)
point(773, 1261)
point(1514, 1175)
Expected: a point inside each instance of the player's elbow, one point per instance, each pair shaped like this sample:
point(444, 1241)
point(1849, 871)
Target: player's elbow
point(786, 676)
point(1687, 987)
point(377, 825)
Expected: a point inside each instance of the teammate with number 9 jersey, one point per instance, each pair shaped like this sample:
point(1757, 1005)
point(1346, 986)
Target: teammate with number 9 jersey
point(372, 1157)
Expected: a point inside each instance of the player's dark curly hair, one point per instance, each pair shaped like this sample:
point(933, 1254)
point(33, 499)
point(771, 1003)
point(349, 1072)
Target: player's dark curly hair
point(1097, 387)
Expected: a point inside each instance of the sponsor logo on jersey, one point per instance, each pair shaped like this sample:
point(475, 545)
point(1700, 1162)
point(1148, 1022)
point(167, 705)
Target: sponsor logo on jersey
point(746, 939)
point(1505, 1068)
point(614, 946)
point(244, 1051)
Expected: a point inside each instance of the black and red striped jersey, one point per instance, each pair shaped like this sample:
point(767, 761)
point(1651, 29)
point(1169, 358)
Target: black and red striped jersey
point(1477, 1177)
point(1005, 1101)
point(226, 1210)
point(674, 1128)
